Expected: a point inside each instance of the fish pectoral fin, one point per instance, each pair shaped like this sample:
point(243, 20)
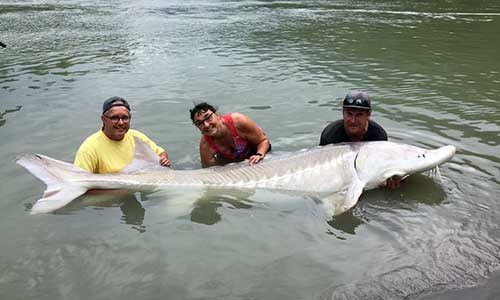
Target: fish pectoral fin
point(340, 202)
point(56, 198)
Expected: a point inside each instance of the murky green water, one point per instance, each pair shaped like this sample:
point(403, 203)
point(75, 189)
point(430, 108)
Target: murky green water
point(434, 71)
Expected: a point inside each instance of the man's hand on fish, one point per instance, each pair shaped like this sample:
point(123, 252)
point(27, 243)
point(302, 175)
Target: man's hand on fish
point(164, 161)
point(255, 159)
point(393, 183)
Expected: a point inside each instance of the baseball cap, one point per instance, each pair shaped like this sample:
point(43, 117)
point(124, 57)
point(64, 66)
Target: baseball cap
point(357, 99)
point(114, 101)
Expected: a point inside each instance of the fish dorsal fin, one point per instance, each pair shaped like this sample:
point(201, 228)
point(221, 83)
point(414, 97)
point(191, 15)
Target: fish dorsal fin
point(144, 158)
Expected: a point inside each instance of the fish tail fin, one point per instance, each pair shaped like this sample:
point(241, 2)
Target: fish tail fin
point(55, 174)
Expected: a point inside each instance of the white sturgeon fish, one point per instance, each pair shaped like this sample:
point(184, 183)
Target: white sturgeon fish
point(336, 174)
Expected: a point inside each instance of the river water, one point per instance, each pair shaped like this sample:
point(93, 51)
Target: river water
point(433, 70)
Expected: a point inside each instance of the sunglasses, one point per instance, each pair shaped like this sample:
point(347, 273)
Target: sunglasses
point(208, 118)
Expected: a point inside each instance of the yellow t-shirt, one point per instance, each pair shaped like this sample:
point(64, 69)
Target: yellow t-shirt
point(99, 154)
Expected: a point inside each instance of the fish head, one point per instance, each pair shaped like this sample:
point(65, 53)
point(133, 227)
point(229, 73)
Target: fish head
point(378, 161)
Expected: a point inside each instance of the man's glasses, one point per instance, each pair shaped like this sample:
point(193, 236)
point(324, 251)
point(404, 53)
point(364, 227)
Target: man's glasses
point(208, 118)
point(116, 119)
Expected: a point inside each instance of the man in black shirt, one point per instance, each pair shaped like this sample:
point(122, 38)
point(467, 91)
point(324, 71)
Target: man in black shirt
point(356, 126)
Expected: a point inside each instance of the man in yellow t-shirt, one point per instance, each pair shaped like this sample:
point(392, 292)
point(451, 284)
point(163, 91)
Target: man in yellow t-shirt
point(112, 148)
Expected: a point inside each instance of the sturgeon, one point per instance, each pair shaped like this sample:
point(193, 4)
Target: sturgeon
point(336, 174)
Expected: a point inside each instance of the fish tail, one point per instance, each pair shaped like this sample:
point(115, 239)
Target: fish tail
point(54, 173)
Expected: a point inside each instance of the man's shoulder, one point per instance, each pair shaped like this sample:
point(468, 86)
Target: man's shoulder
point(236, 115)
point(96, 135)
point(133, 133)
point(333, 126)
point(333, 133)
point(375, 124)
point(242, 124)
point(89, 149)
point(238, 119)
point(376, 132)
point(92, 139)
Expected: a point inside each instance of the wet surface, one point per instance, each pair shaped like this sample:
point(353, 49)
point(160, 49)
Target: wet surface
point(287, 65)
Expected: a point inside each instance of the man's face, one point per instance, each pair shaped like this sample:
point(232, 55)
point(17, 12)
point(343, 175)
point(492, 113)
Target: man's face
point(356, 122)
point(206, 122)
point(116, 122)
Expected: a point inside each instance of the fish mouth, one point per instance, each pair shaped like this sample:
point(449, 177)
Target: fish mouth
point(444, 153)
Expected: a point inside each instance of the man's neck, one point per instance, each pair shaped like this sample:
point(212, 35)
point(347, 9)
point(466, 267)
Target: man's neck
point(356, 138)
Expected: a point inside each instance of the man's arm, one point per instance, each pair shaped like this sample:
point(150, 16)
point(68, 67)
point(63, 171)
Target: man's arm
point(333, 133)
point(250, 131)
point(207, 154)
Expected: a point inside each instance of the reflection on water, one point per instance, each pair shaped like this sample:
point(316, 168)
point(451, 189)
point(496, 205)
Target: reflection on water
point(2, 113)
point(205, 208)
point(414, 190)
point(133, 212)
point(348, 221)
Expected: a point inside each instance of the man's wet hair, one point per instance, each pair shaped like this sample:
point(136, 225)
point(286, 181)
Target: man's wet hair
point(201, 107)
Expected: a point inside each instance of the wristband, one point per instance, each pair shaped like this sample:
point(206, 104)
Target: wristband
point(259, 154)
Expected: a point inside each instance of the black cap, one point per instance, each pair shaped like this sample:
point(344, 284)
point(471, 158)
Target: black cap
point(357, 99)
point(114, 101)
